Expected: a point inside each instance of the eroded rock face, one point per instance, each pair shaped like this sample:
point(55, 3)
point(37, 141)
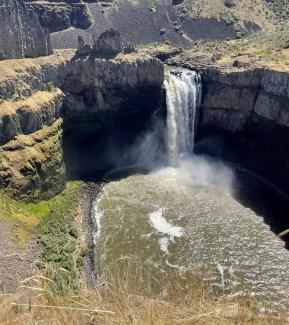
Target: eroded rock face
point(37, 171)
point(249, 92)
point(108, 42)
point(29, 115)
point(98, 84)
point(96, 98)
point(60, 15)
point(21, 33)
point(244, 116)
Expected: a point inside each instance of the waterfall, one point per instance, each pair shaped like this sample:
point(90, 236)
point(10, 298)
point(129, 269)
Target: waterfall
point(183, 90)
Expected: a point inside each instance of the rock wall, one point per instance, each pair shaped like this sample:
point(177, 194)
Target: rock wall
point(31, 158)
point(248, 109)
point(21, 33)
point(32, 166)
point(110, 103)
point(29, 97)
point(60, 15)
point(60, 115)
point(236, 100)
point(97, 84)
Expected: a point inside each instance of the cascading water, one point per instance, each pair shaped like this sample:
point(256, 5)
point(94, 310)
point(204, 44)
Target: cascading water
point(183, 216)
point(183, 92)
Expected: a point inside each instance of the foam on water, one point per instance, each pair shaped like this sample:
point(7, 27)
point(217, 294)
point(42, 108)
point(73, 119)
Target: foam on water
point(166, 222)
point(164, 245)
point(184, 216)
point(163, 226)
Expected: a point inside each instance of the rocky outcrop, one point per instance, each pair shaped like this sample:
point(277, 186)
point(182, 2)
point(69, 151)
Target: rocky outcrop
point(244, 97)
point(22, 78)
point(108, 42)
point(21, 33)
point(60, 15)
point(29, 97)
point(31, 159)
point(234, 97)
point(102, 100)
point(247, 109)
point(32, 166)
point(29, 115)
point(97, 84)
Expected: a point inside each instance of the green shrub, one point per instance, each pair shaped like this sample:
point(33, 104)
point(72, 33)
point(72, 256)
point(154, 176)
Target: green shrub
point(151, 5)
point(51, 86)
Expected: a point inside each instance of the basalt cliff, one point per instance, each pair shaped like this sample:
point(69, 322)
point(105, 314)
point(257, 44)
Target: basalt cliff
point(22, 36)
point(246, 108)
point(55, 109)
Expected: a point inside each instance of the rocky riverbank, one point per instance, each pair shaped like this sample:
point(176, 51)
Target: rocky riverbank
point(86, 225)
point(18, 260)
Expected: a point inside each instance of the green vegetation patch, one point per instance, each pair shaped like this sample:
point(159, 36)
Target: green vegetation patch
point(151, 5)
point(58, 234)
point(54, 220)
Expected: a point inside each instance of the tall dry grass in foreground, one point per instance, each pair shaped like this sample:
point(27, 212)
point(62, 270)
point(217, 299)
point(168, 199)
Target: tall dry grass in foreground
point(129, 299)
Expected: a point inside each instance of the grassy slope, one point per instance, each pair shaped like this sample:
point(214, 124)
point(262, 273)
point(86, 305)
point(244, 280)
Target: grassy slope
point(52, 220)
point(269, 49)
point(267, 14)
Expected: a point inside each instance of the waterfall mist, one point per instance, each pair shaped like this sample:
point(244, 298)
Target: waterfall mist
point(168, 144)
point(183, 93)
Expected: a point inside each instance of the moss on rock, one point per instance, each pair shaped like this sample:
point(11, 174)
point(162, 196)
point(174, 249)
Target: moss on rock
point(31, 166)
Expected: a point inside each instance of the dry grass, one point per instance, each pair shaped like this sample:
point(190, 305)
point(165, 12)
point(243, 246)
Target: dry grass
point(257, 11)
point(36, 102)
point(12, 68)
point(125, 299)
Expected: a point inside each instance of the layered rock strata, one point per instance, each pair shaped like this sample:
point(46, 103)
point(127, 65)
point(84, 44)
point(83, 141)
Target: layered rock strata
point(100, 99)
point(29, 97)
point(31, 159)
point(249, 106)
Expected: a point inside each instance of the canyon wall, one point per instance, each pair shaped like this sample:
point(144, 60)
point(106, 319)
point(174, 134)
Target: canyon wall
point(60, 15)
point(247, 109)
point(60, 114)
point(110, 102)
point(31, 158)
point(21, 33)
point(95, 84)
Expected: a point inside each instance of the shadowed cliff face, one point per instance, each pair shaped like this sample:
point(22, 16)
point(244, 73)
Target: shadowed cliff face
point(109, 104)
point(249, 109)
point(105, 104)
point(60, 15)
point(21, 33)
point(244, 117)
